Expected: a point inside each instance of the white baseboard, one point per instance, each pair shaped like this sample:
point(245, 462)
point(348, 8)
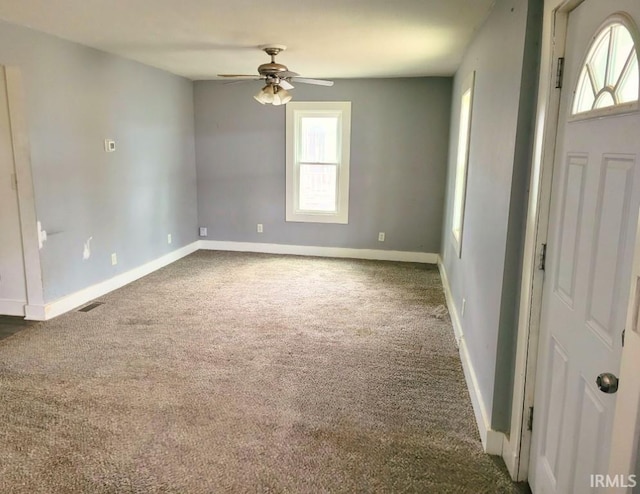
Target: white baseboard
point(492, 441)
point(453, 311)
point(12, 307)
point(308, 250)
point(35, 313)
point(510, 458)
point(70, 302)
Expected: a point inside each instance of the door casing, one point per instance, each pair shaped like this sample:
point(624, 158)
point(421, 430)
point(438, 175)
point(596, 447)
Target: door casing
point(516, 449)
point(34, 309)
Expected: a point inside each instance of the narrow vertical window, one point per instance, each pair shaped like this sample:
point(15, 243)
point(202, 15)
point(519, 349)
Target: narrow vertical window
point(317, 186)
point(462, 161)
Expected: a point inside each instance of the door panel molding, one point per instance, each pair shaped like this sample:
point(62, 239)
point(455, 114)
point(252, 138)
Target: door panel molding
point(616, 176)
point(570, 225)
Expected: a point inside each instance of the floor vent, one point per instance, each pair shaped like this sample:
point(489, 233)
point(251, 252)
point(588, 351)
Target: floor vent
point(91, 306)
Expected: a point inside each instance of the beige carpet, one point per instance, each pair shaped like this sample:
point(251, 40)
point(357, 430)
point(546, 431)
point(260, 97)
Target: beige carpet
point(229, 372)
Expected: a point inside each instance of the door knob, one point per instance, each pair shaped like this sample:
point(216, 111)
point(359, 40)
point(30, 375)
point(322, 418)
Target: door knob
point(607, 383)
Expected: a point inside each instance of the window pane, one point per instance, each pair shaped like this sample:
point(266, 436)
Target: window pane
point(610, 74)
point(318, 188)
point(598, 61)
point(461, 165)
point(319, 139)
point(584, 97)
point(622, 47)
point(628, 90)
point(604, 100)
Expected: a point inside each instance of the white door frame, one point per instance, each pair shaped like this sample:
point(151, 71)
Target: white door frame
point(34, 309)
point(516, 449)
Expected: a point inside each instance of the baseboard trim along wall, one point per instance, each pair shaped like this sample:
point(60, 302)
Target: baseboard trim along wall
point(12, 307)
point(492, 441)
point(510, 458)
point(70, 302)
point(309, 250)
point(81, 297)
point(453, 312)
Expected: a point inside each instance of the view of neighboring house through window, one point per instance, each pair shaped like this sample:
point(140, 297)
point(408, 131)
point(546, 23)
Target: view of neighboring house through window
point(462, 161)
point(317, 185)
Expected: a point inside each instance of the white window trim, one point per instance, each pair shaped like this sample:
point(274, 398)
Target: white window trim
point(457, 230)
point(294, 110)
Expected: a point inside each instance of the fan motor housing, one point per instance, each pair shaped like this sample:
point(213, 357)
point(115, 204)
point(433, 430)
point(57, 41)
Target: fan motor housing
point(271, 68)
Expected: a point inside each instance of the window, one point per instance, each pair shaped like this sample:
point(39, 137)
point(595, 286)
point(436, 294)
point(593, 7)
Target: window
point(608, 82)
point(462, 161)
point(317, 187)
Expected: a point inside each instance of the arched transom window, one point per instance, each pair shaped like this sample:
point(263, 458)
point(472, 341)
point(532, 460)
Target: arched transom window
point(609, 77)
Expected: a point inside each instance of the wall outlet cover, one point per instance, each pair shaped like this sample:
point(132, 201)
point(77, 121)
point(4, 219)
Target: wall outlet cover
point(203, 231)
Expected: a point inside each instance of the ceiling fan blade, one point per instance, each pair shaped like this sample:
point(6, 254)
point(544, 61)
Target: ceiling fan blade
point(317, 82)
point(287, 73)
point(239, 81)
point(284, 84)
point(238, 75)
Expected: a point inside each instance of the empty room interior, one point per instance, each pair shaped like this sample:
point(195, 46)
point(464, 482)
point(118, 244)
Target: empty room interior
point(306, 247)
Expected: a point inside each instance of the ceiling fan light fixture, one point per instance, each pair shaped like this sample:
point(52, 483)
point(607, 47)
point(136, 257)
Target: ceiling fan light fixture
point(281, 96)
point(273, 94)
point(265, 95)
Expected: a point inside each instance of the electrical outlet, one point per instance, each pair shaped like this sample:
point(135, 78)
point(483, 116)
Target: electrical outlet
point(260, 229)
point(381, 237)
point(169, 238)
point(203, 231)
point(114, 259)
point(464, 304)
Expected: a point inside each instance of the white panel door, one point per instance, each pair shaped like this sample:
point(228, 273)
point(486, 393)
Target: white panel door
point(594, 208)
point(13, 292)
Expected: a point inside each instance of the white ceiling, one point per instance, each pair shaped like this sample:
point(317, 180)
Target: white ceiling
point(199, 39)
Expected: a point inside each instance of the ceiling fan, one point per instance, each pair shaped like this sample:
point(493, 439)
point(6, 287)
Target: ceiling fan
point(278, 78)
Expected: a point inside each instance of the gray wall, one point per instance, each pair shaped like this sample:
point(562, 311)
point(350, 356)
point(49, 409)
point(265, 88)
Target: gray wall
point(129, 200)
point(504, 56)
point(399, 141)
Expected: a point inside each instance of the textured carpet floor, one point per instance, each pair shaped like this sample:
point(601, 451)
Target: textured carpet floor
point(229, 372)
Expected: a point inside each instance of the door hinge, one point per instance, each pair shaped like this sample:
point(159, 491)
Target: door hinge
point(559, 72)
point(14, 181)
point(530, 419)
point(543, 258)
point(623, 332)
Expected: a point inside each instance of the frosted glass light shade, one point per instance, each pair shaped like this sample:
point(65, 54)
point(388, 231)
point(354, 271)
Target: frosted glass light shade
point(273, 94)
point(265, 95)
point(281, 96)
